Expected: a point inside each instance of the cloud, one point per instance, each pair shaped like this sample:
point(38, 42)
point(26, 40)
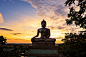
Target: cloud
point(4, 0)
point(61, 27)
point(32, 31)
point(53, 9)
point(9, 0)
point(1, 18)
point(5, 29)
point(58, 27)
point(15, 33)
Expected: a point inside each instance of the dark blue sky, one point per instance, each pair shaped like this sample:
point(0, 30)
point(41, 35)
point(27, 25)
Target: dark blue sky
point(10, 9)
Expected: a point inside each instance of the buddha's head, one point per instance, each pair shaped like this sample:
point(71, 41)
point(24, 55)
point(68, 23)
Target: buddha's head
point(43, 24)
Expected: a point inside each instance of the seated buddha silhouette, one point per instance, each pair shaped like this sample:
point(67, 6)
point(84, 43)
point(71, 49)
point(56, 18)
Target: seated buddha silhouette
point(45, 34)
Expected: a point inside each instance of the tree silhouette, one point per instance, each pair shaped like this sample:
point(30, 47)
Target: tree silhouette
point(77, 16)
point(2, 40)
point(75, 45)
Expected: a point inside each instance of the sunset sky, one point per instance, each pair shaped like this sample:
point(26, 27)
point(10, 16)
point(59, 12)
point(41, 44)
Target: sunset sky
point(20, 19)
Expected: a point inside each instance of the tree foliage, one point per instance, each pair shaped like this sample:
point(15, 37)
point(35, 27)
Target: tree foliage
point(2, 40)
point(77, 16)
point(74, 46)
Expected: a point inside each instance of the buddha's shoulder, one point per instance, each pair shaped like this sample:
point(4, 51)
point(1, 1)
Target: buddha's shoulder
point(45, 28)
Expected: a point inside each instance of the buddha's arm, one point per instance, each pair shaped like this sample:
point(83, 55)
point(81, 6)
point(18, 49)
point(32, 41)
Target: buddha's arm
point(37, 33)
point(48, 33)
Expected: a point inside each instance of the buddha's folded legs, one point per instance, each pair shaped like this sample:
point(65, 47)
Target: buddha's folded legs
point(50, 40)
point(40, 39)
point(37, 39)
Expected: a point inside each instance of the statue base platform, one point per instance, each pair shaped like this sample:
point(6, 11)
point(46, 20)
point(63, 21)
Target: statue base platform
point(43, 48)
point(44, 51)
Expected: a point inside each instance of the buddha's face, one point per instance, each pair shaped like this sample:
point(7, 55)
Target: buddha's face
point(43, 25)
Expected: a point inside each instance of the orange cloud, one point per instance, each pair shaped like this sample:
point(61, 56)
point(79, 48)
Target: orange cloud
point(15, 33)
point(18, 41)
point(1, 18)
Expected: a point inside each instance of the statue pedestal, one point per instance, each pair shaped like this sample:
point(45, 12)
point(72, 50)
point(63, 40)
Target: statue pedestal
point(43, 44)
point(43, 48)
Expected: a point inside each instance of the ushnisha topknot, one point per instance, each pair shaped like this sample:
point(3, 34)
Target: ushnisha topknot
point(43, 21)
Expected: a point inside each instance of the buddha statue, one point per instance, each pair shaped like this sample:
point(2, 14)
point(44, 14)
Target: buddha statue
point(45, 33)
